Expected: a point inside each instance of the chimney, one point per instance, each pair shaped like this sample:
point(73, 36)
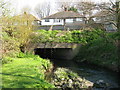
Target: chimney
point(25, 12)
point(65, 9)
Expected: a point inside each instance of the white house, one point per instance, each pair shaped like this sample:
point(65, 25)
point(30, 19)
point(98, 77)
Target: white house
point(64, 18)
point(107, 19)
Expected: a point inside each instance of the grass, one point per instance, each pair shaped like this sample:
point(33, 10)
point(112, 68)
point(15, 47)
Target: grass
point(25, 73)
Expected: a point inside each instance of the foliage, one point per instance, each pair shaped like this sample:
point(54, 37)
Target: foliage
point(22, 27)
point(101, 51)
point(75, 36)
point(115, 35)
point(26, 72)
point(10, 45)
point(92, 35)
point(72, 9)
point(16, 32)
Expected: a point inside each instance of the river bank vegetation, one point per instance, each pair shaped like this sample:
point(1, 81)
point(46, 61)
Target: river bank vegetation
point(101, 51)
point(21, 69)
point(98, 46)
point(24, 70)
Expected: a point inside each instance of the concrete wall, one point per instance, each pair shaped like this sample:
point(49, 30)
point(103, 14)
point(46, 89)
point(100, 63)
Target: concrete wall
point(57, 53)
point(59, 50)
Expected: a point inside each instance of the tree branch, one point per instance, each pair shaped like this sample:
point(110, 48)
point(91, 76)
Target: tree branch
point(112, 3)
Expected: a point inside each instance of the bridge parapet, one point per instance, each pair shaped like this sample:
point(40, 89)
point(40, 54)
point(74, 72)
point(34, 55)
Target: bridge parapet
point(32, 46)
point(56, 45)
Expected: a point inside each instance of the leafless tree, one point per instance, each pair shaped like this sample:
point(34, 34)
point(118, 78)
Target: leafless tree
point(63, 5)
point(43, 9)
point(86, 8)
point(117, 12)
point(113, 9)
point(26, 9)
point(4, 8)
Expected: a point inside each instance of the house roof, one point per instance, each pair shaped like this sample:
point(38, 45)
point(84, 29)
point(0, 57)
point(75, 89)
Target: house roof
point(27, 16)
point(64, 15)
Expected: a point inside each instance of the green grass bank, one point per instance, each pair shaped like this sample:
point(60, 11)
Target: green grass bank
point(25, 72)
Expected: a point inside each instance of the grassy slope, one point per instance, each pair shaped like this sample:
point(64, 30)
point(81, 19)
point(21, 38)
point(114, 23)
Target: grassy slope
point(25, 73)
point(100, 53)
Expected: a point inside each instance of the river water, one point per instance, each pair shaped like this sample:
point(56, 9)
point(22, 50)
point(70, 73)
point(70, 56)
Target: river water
point(90, 72)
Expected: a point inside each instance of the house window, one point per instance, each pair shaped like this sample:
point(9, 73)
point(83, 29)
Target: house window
point(47, 20)
point(79, 19)
point(57, 20)
point(69, 20)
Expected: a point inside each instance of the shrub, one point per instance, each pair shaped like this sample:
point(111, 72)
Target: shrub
point(10, 45)
point(100, 50)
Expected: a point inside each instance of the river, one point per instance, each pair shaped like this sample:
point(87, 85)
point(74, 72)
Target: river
point(90, 72)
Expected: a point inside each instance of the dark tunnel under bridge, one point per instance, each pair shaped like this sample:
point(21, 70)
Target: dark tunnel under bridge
point(56, 51)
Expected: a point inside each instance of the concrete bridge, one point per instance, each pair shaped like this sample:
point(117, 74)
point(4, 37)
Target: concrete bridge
point(54, 50)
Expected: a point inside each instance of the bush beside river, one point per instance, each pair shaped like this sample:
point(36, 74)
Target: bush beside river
point(101, 52)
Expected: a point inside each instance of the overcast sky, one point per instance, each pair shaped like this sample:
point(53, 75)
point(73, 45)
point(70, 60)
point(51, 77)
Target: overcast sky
point(33, 3)
point(19, 4)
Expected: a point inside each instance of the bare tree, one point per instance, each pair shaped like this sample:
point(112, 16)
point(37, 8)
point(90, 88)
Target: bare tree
point(113, 11)
point(4, 8)
point(86, 8)
point(63, 5)
point(117, 10)
point(26, 9)
point(43, 9)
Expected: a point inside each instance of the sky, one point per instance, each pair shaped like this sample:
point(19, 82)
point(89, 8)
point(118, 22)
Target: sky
point(19, 4)
point(33, 3)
